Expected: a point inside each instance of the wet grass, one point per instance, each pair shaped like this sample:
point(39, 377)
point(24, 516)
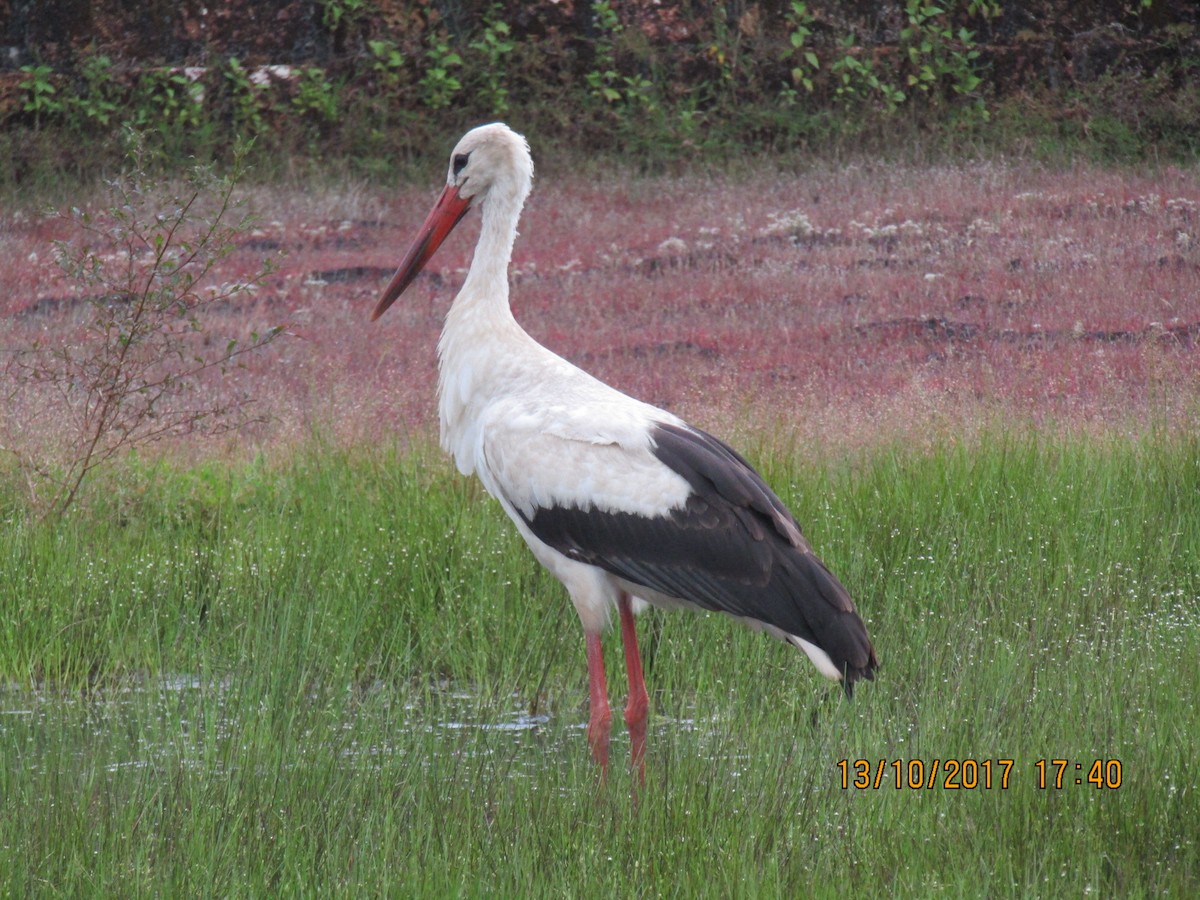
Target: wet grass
point(340, 672)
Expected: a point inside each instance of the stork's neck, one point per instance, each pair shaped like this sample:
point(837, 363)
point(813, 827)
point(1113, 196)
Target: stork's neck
point(486, 284)
point(480, 350)
point(480, 317)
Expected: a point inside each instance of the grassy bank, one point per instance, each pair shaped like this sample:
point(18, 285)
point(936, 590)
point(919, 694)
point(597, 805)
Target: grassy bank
point(341, 672)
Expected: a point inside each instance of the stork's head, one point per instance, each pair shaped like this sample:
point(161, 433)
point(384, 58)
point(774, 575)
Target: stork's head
point(491, 164)
point(491, 158)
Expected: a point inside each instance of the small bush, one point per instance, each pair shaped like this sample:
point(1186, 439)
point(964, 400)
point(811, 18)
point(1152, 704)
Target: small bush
point(142, 364)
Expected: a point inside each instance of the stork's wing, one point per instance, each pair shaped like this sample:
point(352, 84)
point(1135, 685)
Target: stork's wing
point(726, 544)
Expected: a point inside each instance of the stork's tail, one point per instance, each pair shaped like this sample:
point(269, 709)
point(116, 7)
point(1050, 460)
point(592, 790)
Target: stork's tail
point(838, 645)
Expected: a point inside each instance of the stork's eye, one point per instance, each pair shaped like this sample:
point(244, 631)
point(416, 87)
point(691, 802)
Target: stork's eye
point(460, 163)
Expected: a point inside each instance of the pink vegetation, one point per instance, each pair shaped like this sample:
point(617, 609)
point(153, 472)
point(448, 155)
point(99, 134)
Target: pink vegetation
point(845, 305)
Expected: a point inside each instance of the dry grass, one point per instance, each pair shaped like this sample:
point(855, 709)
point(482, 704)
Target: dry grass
point(847, 304)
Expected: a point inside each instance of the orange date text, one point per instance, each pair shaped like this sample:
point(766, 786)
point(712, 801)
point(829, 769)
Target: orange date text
point(925, 774)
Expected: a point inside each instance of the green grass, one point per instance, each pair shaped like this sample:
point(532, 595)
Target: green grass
point(316, 675)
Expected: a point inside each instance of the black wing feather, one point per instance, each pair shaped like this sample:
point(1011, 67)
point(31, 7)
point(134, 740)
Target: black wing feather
point(733, 547)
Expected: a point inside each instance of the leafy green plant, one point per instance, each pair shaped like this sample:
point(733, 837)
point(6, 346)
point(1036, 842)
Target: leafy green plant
point(605, 82)
point(803, 58)
point(991, 9)
point(247, 96)
point(41, 96)
point(438, 84)
point(936, 53)
point(95, 104)
point(316, 96)
point(387, 62)
point(855, 77)
point(170, 101)
point(494, 45)
point(335, 13)
point(603, 77)
point(148, 362)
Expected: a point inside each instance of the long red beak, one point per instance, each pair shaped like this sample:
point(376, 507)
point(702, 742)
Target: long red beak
point(446, 213)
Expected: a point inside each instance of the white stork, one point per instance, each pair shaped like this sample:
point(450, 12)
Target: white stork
point(624, 503)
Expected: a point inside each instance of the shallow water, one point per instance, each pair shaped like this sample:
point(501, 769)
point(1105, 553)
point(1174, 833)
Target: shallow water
point(216, 725)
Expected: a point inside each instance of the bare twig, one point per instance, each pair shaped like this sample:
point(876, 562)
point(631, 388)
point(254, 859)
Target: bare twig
point(135, 374)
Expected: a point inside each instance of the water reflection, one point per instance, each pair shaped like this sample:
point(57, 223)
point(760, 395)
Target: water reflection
point(520, 723)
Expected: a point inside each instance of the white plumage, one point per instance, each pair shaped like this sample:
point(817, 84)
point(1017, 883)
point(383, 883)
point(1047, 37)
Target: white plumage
point(618, 499)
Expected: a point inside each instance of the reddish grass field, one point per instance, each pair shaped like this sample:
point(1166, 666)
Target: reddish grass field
point(836, 307)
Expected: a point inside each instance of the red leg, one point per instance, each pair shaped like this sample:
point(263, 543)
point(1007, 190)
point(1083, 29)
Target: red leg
point(638, 705)
point(600, 720)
